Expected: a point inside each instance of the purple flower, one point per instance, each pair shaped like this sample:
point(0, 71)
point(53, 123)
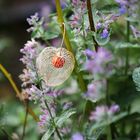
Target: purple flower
point(29, 51)
point(122, 2)
point(100, 64)
point(105, 34)
point(77, 136)
point(54, 93)
point(103, 24)
point(89, 53)
point(96, 90)
point(123, 6)
point(99, 113)
point(34, 93)
point(43, 118)
point(98, 26)
point(122, 9)
point(33, 19)
point(114, 108)
point(75, 20)
point(75, 2)
point(132, 4)
point(103, 112)
point(67, 105)
point(35, 22)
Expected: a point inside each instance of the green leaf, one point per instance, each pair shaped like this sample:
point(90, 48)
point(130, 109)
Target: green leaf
point(50, 35)
point(132, 19)
point(109, 8)
point(136, 78)
point(64, 117)
point(59, 122)
point(48, 134)
point(101, 41)
point(95, 134)
point(122, 45)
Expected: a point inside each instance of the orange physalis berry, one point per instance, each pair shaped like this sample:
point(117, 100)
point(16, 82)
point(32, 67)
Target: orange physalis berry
point(58, 61)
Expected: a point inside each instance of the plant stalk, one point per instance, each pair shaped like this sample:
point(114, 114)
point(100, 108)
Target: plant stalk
point(128, 40)
point(127, 49)
point(91, 22)
point(87, 107)
point(81, 81)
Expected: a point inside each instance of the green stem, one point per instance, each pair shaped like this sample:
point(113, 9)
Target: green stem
point(127, 49)
point(56, 129)
point(68, 45)
point(92, 27)
point(50, 113)
point(109, 137)
point(25, 121)
point(91, 21)
point(109, 134)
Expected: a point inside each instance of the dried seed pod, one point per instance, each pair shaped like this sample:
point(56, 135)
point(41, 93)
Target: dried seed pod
point(55, 65)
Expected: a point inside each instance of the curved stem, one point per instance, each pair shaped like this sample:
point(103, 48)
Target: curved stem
point(91, 21)
point(68, 45)
point(13, 84)
point(9, 77)
point(61, 21)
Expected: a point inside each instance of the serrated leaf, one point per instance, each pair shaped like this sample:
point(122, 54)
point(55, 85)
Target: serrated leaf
point(64, 117)
point(136, 78)
point(48, 134)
